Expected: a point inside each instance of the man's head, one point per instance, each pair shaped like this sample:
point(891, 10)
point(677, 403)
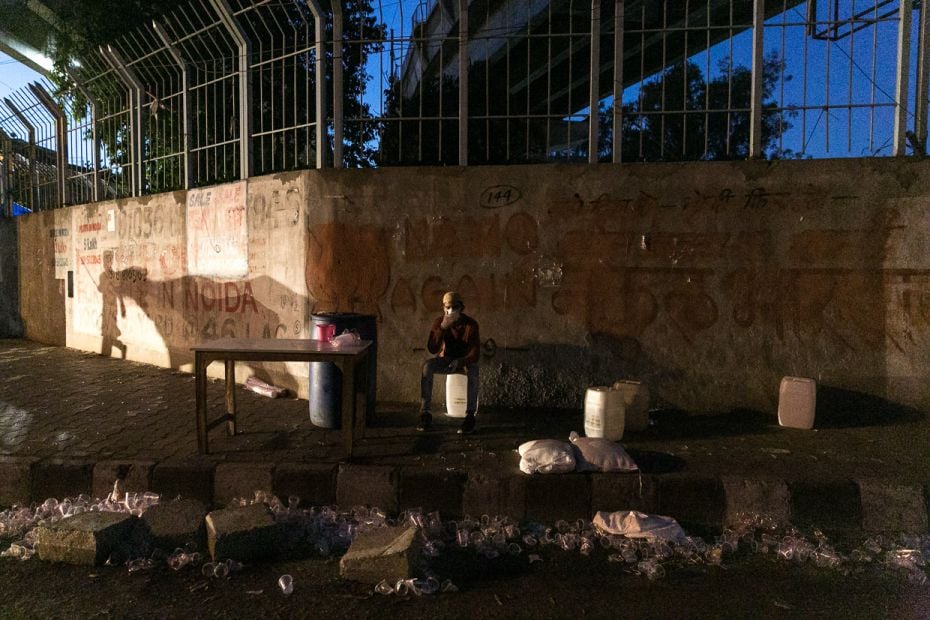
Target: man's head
point(452, 303)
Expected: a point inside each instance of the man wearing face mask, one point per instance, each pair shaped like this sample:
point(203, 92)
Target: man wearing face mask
point(454, 340)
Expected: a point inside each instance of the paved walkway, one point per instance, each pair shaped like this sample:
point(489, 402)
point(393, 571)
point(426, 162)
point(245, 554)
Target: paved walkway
point(85, 415)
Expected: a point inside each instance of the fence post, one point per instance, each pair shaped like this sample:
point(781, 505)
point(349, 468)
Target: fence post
point(185, 88)
point(129, 80)
point(463, 82)
point(245, 85)
point(758, 67)
point(95, 162)
point(594, 92)
point(33, 168)
point(337, 85)
point(904, 55)
point(6, 191)
point(617, 108)
point(320, 89)
point(923, 80)
point(61, 139)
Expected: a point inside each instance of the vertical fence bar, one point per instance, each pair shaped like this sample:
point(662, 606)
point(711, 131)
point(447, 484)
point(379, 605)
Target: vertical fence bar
point(617, 107)
point(185, 91)
point(61, 140)
point(33, 167)
point(463, 82)
point(320, 86)
point(95, 139)
point(126, 76)
point(245, 84)
point(758, 58)
point(6, 160)
point(904, 54)
point(593, 94)
point(923, 80)
point(337, 84)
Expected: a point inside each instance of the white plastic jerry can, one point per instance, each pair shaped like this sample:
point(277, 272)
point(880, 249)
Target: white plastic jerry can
point(456, 395)
point(635, 403)
point(797, 402)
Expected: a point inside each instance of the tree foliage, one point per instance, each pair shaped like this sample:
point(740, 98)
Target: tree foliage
point(683, 116)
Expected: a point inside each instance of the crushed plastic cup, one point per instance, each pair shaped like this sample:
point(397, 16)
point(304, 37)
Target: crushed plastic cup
point(286, 583)
point(139, 565)
point(177, 561)
point(585, 547)
point(652, 569)
point(430, 585)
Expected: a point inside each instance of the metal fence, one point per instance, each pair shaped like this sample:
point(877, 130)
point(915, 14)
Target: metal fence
point(227, 89)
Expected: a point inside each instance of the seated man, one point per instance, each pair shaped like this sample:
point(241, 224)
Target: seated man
point(454, 337)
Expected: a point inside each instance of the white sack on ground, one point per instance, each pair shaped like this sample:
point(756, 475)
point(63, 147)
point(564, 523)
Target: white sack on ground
point(599, 454)
point(546, 456)
point(633, 524)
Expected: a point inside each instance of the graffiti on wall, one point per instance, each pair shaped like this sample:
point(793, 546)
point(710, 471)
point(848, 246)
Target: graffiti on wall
point(619, 267)
point(273, 215)
point(217, 231)
point(61, 242)
point(132, 289)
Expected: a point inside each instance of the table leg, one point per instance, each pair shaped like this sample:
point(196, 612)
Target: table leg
point(230, 397)
point(200, 389)
point(348, 404)
point(361, 395)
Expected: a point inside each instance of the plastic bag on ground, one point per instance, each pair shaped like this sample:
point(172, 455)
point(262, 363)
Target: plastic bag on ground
point(598, 454)
point(633, 524)
point(258, 386)
point(546, 456)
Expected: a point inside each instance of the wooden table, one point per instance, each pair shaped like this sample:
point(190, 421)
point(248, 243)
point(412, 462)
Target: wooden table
point(351, 359)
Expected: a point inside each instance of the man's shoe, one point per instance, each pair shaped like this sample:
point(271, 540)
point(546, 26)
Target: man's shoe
point(468, 425)
point(426, 421)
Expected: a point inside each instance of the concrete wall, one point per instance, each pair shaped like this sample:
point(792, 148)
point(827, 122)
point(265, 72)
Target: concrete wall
point(11, 325)
point(44, 249)
point(710, 281)
point(156, 275)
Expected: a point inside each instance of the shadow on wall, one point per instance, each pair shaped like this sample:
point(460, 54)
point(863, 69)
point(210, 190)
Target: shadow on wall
point(844, 408)
point(111, 293)
point(193, 309)
point(557, 375)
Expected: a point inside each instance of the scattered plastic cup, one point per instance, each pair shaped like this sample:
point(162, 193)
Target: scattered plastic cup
point(286, 583)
